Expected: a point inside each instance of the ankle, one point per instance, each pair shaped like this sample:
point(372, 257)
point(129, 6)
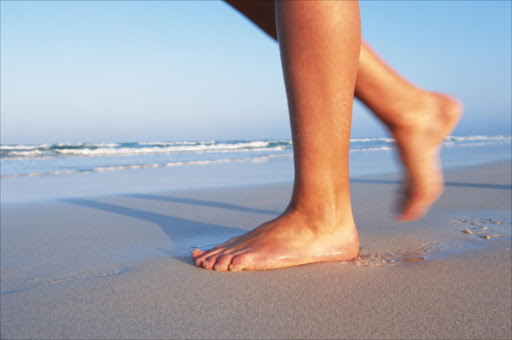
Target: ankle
point(323, 214)
point(411, 110)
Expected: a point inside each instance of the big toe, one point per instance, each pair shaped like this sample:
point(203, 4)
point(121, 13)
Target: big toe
point(197, 253)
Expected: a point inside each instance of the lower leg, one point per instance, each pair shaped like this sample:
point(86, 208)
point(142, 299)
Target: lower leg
point(318, 224)
point(418, 119)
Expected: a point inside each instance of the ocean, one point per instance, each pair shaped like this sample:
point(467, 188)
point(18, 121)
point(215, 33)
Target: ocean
point(33, 172)
point(20, 160)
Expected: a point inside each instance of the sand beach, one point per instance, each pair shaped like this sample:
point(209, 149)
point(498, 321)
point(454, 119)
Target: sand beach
point(170, 126)
point(119, 267)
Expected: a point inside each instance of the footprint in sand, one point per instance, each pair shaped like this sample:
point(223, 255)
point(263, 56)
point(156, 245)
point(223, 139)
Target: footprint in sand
point(425, 251)
point(481, 227)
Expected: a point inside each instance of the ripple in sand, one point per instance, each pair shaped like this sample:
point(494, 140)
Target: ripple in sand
point(35, 282)
point(82, 277)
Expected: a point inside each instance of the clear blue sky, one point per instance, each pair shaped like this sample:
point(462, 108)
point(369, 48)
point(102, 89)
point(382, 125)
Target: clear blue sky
point(95, 71)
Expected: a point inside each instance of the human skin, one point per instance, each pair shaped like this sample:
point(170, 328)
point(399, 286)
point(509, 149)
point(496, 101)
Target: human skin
point(320, 46)
point(419, 120)
point(319, 43)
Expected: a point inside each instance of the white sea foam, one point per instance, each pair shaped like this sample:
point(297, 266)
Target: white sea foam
point(17, 152)
point(386, 140)
point(470, 138)
point(105, 152)
point(22, 147)
point(30, 153)
point(106, 145)
point(168, 143)
point(134, 149)
point(465, 145)
point(381, 148)
point(66, 158)
point(258, 159)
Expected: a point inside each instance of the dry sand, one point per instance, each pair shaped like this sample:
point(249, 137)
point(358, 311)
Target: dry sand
point(119, 267)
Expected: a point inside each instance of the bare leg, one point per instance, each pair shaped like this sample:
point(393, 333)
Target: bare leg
point(418, 119)
point(320, 44)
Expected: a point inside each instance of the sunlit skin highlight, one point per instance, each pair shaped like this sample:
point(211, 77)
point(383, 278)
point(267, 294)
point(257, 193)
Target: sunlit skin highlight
point(412, 115)
point(324, 65)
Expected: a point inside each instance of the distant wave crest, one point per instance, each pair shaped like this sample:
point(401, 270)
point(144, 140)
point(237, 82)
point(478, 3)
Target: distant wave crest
point(258, 159)
point(68, 158)
point(62, 150)
point(133, 149)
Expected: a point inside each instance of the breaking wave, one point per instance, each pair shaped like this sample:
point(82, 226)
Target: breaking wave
point(20, 160)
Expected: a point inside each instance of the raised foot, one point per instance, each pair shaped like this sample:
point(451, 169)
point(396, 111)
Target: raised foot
point(289, 240)
point(418, 139)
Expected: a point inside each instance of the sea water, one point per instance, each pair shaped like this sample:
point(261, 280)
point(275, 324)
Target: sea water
point(34, 172)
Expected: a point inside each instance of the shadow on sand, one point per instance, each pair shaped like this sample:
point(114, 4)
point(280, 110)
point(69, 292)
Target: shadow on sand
point(205, 203)
point(179, 230)
point(187, 232)
point(447, 184)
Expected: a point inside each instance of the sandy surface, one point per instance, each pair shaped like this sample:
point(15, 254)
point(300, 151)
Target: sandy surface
point(118, 267)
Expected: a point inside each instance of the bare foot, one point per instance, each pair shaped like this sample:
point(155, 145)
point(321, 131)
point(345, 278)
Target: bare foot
point(418, 137)
point(290, 240)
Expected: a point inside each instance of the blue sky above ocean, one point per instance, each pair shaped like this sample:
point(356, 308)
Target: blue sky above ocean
point(120, 71)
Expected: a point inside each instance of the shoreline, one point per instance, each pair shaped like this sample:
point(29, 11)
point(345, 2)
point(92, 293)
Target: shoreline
point(119, 266)
point(196, 173)
point(39, 189)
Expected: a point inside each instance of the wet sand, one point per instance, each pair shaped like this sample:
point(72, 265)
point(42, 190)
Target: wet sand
point(119, 267)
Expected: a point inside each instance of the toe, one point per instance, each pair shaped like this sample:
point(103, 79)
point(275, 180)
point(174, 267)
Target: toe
point(223, 262)
point(197, 252)
point(210, 261)
point(199, 261)
point(239, 262)
point(202, 258)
